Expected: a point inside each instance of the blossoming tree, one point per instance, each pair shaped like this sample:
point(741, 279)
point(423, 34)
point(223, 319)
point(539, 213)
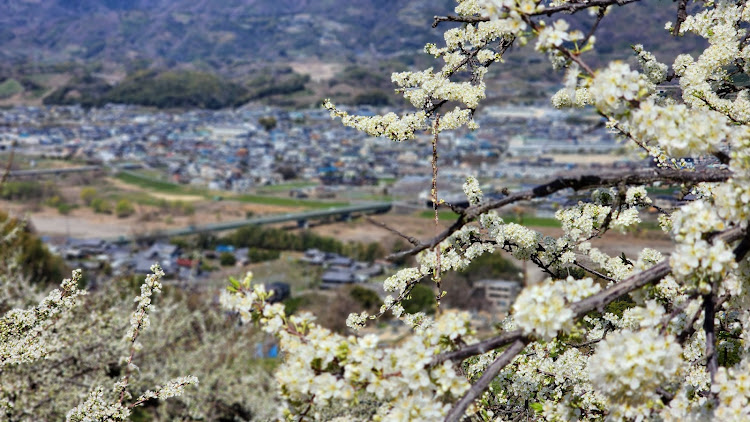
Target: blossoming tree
point(35, 329)
point(563, 353)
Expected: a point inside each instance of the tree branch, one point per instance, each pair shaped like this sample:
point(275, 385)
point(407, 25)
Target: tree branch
point(437, 20)
point(478, 348)
point(570, 8)
point(709, 313)
point(742, 249)
point(599, 17)
point(458, 410)
point(410, 239)
point(605, 297)
point(681, 16)
point(575, 182)
point(594, 272)
point(580, 308)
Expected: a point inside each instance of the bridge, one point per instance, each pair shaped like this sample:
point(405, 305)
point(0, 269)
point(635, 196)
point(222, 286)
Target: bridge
point(301, 218)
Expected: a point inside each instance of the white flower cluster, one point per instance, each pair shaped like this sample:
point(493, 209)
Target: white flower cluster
point(523, 241)
point(454, 253)
point(613, 88)
point(582, 221)
point(647, 258)
point(642, 316)
point(733, 388)
point(553, 36)
point(464, 45)
point(498, 9)
point(695, 219)
point(702, 263)
point(424, 88)
point(98, 407)
point(173, 388)
point(613, 266)
point(357, 321)
point(542, 309)
point(585, 220)
point(109, 406)
point(140, 319)
point(472, 190)
point(695, 260)
point(628, 366)
point(580, 98)
point(24, 333)
point(655, 71)
point(399, 281)
point(723, 26)
point(322, 366)
point(390, 125)
point(637, 195)
point(555, 376)
point(455, 119)
point(732, 198)
point(679, 130)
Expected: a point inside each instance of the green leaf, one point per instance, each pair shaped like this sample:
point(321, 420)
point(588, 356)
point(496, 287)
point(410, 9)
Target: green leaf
point(235, 285)
point(537, 407)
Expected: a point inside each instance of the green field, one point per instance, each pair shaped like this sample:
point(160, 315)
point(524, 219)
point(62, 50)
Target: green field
point(442, 215)
point(286, 202)
point(149, 183)
point(9, 88)
point(152, 184)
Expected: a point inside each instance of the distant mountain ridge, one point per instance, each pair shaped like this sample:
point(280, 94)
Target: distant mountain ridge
point(212, 31)
point(284, 52)
point(218, 34)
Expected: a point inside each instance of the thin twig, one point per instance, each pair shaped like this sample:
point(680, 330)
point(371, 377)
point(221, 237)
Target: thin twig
point(414, 241)
point(599, 16)
point(665, 395)
point(435, 202)
point(590, 342)
point(676, 311)
point(594, 272)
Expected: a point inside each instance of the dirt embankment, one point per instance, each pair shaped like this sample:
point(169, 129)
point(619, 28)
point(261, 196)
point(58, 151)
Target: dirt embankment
point(83, 222)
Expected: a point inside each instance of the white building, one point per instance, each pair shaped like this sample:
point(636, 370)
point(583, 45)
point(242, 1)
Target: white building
point(499, 293)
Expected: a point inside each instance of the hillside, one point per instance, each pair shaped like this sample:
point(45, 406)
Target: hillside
point(285, 52)
point(217, 33)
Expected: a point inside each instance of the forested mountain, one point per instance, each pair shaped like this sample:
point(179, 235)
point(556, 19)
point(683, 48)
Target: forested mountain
point(218, 34)
point(212, 31)
point(284, 52)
